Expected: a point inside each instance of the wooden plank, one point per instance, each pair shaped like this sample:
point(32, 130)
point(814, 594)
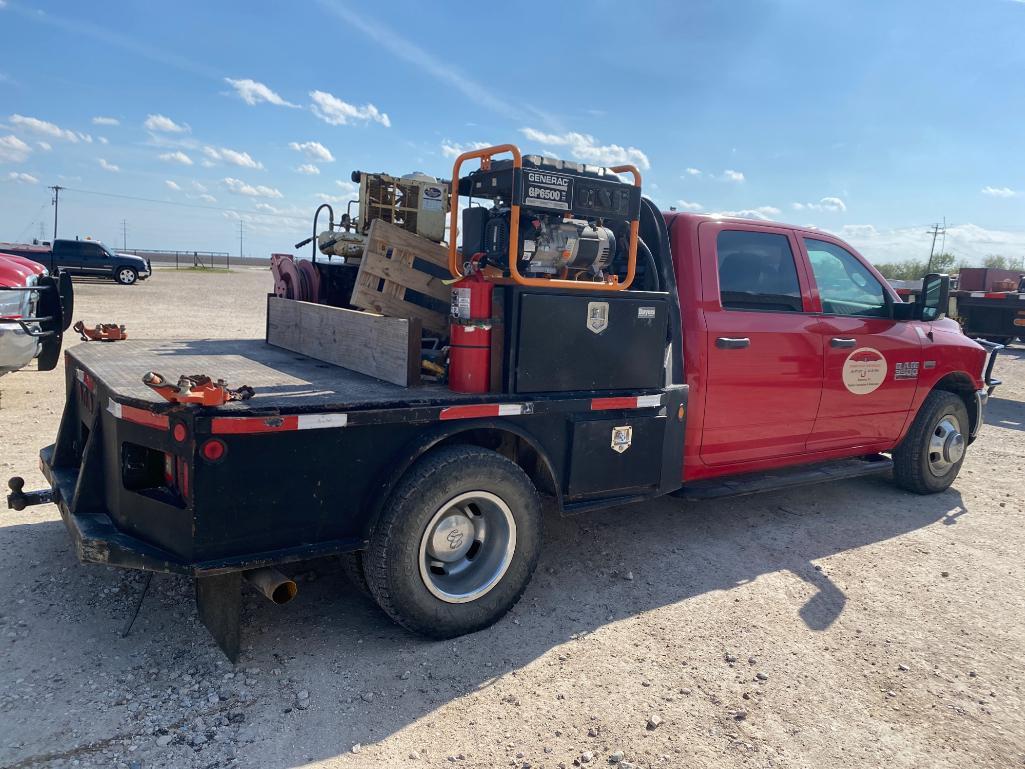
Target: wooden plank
point(389, 267)
point(381, 347)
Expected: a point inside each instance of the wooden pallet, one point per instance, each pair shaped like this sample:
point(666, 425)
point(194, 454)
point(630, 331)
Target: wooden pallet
point(391, 274)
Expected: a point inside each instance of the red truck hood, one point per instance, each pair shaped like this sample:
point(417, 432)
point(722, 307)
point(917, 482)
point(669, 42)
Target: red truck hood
point(16, 271)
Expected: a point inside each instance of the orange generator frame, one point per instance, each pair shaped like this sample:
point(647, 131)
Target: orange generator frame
point(611, 282)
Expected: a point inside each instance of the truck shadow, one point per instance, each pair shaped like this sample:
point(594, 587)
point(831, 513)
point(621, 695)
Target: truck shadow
point(369, 678)
point(1006, 413)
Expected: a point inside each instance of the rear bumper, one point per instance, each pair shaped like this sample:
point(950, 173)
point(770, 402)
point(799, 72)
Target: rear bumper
point(97, 539)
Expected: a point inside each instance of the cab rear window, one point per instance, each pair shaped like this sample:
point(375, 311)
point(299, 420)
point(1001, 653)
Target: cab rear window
point(757, 272)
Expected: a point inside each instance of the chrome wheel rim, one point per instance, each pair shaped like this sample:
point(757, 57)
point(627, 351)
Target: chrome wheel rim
point(127, 276)
point(467, 546)
point(946, 445)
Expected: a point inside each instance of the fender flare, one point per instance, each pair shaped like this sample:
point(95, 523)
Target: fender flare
point(406, 457)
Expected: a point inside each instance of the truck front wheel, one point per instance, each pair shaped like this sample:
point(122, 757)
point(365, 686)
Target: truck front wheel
point(126, 276)
point(930, 456)
point(457, 543)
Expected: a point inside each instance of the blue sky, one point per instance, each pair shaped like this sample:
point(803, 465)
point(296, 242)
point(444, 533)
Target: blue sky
point(869, 119)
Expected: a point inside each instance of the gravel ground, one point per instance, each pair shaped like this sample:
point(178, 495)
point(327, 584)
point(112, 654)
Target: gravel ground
point(847, 625)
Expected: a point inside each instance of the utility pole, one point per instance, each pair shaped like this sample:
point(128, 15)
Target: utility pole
point(124, 234)
point(936, 230)
point(56, 203)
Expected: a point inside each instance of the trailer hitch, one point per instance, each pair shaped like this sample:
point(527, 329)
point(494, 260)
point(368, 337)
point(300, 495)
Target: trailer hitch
point(19, 499)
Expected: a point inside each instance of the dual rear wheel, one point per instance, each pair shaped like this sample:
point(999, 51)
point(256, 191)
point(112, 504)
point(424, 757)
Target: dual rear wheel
point(456, 545)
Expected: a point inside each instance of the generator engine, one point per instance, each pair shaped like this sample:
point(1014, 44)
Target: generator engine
point(575, 222)
point(548, 244)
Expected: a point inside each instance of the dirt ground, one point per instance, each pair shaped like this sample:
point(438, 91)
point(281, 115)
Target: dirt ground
point(849, 625)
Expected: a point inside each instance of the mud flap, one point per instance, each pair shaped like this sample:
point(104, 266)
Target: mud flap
point(219, 603)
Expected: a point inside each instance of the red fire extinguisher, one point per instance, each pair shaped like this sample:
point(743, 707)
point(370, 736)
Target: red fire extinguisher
point(469, 369)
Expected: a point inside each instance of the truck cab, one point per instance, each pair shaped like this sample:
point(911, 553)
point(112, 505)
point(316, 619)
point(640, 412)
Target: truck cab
point(797, 350)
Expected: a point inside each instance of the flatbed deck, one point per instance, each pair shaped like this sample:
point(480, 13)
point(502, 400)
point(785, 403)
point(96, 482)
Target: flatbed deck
point(282, 379)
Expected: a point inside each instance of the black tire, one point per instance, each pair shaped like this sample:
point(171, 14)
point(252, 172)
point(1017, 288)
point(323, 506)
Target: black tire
point(392, 563)
point(126, 276)
point(914, 467)
point(352, 566)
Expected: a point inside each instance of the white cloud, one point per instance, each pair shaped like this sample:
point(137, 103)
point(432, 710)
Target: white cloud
point(35, 125)
point(108, 166)
point(314, 151)
point(207, 197)
point(240, 187)
point(13, 149)
point(164, 124)
point(308, 168)
point(999, 192)
point(586, 148)
point(351, 189)
point(688, 206)
point(177, 157)
point(103, 140)
point(761, 213)
point(334, 111)
point(100, 120)
point(729, 175)
point(453, 150)
point(252, 92)
point(44, 146)
point(830, 204)
point(693, 172)
point(267, 207)
point(966, 241)
point(172, 185)
point(235, 157)
point(22, 178)
point(198, 186)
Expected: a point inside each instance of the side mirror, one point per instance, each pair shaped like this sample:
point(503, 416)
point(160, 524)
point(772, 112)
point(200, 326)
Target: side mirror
point(932, 300)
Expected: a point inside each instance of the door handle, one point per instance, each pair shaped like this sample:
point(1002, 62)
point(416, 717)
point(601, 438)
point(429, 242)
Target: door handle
point(839, 342)
point(730, 343)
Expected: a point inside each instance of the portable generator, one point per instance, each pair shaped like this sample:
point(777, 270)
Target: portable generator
point(550, 222)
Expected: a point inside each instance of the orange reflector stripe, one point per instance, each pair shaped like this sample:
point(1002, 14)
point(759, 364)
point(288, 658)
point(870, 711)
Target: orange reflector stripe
point(143, 417)
point(250, 425)
point(486, 410)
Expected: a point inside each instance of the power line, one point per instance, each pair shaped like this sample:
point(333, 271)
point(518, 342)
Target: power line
point(252, 212)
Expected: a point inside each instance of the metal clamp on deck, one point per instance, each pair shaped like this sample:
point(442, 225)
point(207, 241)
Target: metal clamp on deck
point(19, 499)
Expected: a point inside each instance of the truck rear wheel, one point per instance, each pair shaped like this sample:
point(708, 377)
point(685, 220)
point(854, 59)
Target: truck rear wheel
point(930, 456)
point(457, 543)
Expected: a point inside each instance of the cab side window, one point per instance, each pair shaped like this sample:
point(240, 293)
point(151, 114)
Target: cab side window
point(757, 272)
point(846, 287)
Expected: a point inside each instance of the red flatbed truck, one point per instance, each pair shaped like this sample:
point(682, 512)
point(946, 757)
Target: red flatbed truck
point(707, 356)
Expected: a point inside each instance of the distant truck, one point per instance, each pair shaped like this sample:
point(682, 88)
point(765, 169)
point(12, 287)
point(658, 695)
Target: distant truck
point(84, 257)
point(988, 303)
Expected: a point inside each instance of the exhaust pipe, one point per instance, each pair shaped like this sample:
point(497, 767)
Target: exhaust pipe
point(273, 584)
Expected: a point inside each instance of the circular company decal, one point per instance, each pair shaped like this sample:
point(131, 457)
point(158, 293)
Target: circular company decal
point(864, 370)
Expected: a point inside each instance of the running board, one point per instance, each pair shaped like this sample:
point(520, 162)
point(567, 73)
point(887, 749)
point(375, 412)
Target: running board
point(773, 480)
